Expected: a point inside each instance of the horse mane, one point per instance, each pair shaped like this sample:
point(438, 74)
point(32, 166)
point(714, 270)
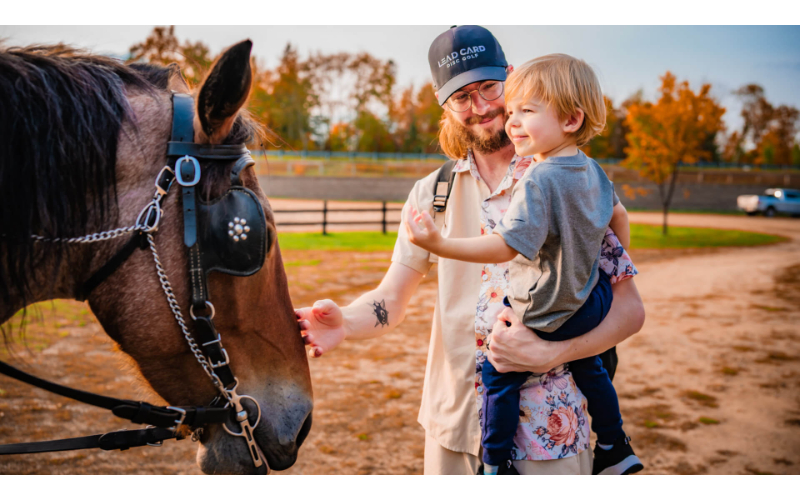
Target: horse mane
point(61, 114)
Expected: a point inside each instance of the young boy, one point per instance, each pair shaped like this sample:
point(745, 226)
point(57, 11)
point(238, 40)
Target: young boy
point(553, 234)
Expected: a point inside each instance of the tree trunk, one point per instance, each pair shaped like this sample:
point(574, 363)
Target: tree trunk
point(667, 199)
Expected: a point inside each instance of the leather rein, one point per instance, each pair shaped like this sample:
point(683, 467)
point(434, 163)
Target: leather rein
point(205, 342)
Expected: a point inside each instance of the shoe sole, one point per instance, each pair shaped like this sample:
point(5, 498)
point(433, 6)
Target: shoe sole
point(631, 465)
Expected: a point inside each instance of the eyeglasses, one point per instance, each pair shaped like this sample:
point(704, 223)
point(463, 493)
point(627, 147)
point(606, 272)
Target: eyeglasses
point(490, 90)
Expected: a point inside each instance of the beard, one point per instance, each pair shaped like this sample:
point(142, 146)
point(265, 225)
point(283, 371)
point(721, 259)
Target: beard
point(483, 141)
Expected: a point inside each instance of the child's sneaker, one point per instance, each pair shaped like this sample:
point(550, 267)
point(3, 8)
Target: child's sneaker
point(619, 460)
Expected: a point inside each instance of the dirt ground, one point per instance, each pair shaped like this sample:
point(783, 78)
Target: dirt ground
point(710, 385)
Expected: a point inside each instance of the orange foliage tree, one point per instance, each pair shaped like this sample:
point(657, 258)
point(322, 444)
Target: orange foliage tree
point(415, 117)
point(673, 130)
point(772, 130)
point(163, 47)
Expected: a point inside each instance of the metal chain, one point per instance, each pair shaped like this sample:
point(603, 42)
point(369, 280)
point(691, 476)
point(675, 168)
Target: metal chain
point(91, 238)
point(176, 311)
point(151, 211)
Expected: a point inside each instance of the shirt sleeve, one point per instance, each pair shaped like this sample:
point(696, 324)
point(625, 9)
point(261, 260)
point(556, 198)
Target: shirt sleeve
point(614, 260)
point(524, 226)
point(614, 192)
point(405, 252)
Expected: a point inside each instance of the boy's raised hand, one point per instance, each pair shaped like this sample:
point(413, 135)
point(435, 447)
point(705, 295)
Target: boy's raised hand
point(422, 230)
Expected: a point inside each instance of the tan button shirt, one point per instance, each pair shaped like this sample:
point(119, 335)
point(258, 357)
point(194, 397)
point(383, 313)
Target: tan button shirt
point(555, 412)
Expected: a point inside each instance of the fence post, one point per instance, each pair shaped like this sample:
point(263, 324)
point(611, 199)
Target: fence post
point(324, 217)
point(384, 217)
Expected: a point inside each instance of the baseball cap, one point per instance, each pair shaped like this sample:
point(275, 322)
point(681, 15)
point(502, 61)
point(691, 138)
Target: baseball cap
point(464, 55)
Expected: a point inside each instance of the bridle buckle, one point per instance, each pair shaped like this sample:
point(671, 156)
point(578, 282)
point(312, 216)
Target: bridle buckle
point(179, 172)
point(164, 181)
point(178, 422)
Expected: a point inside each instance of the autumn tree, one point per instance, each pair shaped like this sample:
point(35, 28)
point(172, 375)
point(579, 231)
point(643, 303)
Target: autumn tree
point(415, 116)
point(671, 131)
point(356, 88)
point(769, 131)
point(282, 99)
point(775, 145)
point(163, 47)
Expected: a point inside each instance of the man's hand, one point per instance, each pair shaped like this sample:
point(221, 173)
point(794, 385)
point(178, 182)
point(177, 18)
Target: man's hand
point(517, 348)
point(322, 326)
point(425, 236)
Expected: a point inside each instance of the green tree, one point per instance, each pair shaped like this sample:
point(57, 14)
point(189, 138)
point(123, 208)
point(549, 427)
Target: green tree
point(373, 133)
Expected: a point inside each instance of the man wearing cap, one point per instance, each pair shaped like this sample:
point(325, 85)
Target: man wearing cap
point(468, 68)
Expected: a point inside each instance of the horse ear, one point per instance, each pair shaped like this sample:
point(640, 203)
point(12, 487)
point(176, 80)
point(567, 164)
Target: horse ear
point(223, 93)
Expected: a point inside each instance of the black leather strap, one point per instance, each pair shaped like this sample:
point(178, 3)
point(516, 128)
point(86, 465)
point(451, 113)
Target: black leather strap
point(207, 152)
point(242, 163)
point(182, 129)
point(138, 240)
point(78, 395)
point(207, 337)
point(197, 278)
point(441, 191)
point(118, 440)
point(196, 416)
point(189, 212)
point(137, 412)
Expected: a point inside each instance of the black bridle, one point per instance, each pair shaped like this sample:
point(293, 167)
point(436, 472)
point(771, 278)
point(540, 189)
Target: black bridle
point(228, 234)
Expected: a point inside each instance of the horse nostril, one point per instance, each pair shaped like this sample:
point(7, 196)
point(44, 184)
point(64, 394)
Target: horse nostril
point(301, 436)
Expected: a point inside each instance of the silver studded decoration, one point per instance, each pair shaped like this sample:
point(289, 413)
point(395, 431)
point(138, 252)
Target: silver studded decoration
point(238, 229)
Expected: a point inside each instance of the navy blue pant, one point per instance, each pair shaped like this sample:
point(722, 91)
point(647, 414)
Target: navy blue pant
point(501, 390)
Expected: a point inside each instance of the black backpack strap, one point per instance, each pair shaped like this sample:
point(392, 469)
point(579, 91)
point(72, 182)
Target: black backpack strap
point(444, 183)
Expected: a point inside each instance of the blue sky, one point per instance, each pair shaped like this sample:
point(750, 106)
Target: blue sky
point(626, 58)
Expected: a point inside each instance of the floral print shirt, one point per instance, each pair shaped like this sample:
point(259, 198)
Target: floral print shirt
point(553, 419)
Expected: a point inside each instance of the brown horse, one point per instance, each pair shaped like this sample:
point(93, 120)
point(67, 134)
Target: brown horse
point(83, 138)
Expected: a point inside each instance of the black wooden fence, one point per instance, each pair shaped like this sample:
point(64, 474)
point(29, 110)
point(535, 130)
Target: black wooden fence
point(383, 210)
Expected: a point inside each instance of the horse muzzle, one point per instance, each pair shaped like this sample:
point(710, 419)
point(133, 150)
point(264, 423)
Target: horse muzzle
point(277, 437)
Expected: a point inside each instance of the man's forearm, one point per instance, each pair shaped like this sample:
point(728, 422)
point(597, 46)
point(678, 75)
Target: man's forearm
point(378, 311)
point(625, 318)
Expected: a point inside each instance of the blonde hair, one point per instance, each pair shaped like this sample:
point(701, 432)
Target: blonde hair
point(567, 84)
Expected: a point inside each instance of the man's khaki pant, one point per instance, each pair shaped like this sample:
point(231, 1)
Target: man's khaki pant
point(440, 460)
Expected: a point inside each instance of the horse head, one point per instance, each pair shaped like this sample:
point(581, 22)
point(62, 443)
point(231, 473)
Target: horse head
point(125, 114)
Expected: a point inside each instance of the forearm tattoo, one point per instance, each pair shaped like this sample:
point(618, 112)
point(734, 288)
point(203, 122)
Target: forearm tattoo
point(379, 310)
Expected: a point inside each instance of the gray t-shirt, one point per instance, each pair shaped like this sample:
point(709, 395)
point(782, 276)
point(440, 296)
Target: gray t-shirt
point(557, 219)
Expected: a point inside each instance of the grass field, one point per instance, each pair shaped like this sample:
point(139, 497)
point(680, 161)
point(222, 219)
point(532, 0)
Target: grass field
point(645, 236)
point(642, 236)
point(361, 241)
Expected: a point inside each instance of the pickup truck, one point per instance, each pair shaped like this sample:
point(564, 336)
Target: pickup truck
point(772, 202)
